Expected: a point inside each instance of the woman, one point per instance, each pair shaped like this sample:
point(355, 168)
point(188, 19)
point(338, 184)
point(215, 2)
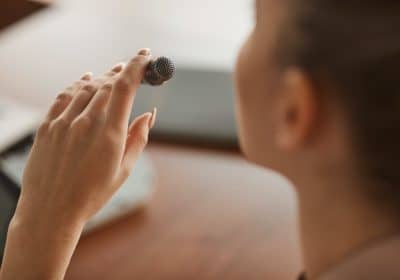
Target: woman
point(318, 100)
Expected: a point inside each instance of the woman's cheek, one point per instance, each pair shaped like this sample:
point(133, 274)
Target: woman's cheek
point(244, 81)
point(243, 66)
point(255, 86)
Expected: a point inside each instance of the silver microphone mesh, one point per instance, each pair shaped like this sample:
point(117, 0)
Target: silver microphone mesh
point(159, 71)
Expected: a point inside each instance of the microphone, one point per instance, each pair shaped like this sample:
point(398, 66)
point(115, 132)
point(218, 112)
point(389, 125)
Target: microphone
point(159, 71)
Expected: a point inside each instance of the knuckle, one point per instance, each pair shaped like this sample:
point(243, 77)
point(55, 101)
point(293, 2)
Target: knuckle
point(57, 106)
point(69, 89)
point(137, 67)
point(82, 123)
point(107, 87)
point(96, 117)
point(76, 85)
point(112, 137)
point(79, 83)
point(60, 124)
point(88, 88)
point(43, 129)
point(97, 82)
point(123, 84)
point(112, 73)
point(63, 96)
point(138, 60)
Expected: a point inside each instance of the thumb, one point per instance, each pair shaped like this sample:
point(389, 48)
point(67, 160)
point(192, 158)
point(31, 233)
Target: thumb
point(136, 141)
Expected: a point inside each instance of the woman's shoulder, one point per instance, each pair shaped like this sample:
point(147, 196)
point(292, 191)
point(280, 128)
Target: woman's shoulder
point(380, 261)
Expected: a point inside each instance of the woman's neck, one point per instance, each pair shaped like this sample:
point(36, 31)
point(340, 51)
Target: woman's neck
point(336, 221)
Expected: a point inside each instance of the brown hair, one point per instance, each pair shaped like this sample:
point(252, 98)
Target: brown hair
point(354, 46)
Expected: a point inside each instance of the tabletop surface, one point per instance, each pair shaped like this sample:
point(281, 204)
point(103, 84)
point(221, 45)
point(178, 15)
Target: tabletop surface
point(213, 216)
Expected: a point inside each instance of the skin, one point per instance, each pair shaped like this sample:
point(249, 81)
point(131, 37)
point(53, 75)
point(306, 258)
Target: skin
point(288, 125)
point(284, 122)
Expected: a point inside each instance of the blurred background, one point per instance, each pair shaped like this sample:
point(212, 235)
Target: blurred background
point(208, 214)
point(53, 47)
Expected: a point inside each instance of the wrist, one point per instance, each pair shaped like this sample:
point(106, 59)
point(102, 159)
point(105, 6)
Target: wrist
point(45, 220)
point(41, 227)
point(41, 241)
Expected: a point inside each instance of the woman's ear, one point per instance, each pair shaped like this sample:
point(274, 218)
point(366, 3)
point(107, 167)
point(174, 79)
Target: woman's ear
point(297, 109)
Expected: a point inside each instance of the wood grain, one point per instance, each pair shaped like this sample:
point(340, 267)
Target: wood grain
point(213, 217)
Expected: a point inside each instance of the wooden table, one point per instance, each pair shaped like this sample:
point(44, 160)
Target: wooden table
point(213, 216)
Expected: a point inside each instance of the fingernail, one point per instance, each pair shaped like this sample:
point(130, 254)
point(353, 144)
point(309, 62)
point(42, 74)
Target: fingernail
point(152, 120)
point(144, 51)
point(87, 76)
point(118, 67)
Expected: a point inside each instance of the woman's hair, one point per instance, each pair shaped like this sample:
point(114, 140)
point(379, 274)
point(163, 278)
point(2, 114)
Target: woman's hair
point(354, 47)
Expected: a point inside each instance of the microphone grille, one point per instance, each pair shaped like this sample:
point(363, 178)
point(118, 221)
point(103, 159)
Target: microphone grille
point(164, 67)
point(159, 71)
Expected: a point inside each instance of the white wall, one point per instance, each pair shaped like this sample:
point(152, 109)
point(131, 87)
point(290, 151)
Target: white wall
point(41, 55)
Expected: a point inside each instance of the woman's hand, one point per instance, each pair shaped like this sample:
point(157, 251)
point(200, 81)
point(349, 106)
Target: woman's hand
point(83, 150)
point(82, 153)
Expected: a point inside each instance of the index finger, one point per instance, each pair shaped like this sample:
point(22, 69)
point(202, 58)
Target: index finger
point(124, 90)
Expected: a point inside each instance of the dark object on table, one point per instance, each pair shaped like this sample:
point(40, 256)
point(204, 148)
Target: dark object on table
point(9, 192)
point(196, 106)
